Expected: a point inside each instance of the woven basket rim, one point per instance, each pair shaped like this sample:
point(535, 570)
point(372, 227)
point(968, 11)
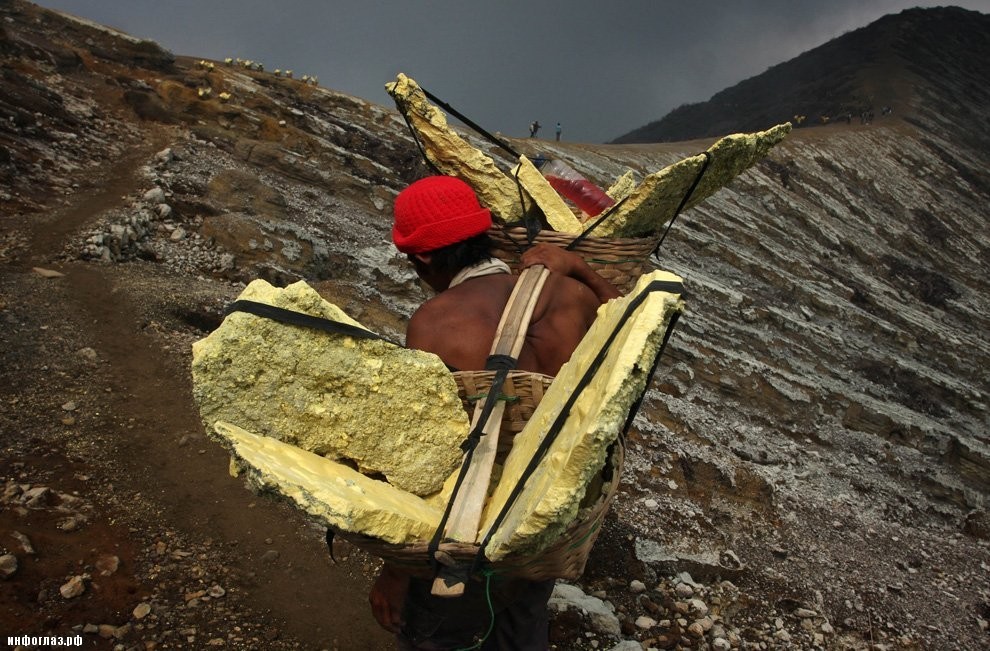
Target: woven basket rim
point(578, 537)
point(510, 232)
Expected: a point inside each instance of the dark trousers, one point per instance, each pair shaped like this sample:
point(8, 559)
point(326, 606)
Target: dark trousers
point(522, 621)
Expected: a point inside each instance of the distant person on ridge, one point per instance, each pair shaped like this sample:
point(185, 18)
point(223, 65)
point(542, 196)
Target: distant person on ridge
point(441, 227)
point(558, 132)
point(534, 126)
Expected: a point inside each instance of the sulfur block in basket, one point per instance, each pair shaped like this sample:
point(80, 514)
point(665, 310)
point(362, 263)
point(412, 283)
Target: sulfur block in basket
point(558, 215)
point(553, 494)
point(230, 369)
point(653, 203)
point(453, 155)
point(328, 491)
point(380, 407)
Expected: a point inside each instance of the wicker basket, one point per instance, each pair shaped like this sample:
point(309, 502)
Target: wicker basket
point(621, 261)
point(521, 390)
point(564, 559)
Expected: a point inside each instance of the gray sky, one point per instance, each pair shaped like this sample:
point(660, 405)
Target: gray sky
point(599, 68)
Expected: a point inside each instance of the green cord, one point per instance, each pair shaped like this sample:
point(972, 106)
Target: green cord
point(491, 611)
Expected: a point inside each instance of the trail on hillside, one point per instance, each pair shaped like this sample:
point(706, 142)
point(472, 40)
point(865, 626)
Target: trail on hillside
point(140, 445)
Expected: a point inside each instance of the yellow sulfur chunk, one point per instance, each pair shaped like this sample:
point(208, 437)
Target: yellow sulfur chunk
point(553, 494)
point(651, 205)
point(383, 408)
point(452, 155)
point(558, 215)
point(328, 491)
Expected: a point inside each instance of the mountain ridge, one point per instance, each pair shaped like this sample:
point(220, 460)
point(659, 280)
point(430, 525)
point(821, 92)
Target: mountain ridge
point(871, 69)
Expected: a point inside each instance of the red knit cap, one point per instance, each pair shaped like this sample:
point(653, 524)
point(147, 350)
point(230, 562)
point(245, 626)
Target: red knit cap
point(436, 212)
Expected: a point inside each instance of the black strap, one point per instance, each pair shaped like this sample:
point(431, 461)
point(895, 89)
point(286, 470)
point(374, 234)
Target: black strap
point(415, 137)
point(649, 378)
point(302, 319)
point(586, 232)
point(532, 217)
point(687, 197)
point(460, 116)
point(557, 425)
point(499, 362)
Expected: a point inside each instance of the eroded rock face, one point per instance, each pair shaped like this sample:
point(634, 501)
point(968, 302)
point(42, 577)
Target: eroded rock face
point(383, 408)
point(240, 191)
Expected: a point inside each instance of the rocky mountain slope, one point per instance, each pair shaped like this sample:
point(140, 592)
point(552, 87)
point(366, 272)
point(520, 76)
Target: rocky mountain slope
point(809, 470)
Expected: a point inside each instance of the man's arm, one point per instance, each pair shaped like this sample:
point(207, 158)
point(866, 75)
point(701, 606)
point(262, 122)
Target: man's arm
point(388, 596)
point(568, 263)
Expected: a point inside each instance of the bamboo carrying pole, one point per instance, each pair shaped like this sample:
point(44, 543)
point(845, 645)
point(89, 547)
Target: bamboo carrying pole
point(465, 514)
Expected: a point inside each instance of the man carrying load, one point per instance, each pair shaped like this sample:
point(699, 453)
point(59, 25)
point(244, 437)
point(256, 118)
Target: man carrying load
point(441, 227)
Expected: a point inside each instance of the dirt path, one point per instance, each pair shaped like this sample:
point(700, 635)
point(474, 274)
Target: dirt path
point(145, 441)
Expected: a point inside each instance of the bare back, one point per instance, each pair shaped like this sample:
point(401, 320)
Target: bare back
point(459, 324)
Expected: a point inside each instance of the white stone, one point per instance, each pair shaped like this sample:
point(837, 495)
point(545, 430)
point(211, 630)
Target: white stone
point(645, 622)
point(627, 645)
point(8, 566)
point(600, 613)
point(698, 607)
point(154, 196)
point(73, 587)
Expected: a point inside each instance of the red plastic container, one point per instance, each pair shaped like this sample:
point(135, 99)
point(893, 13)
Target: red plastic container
point(587, 196)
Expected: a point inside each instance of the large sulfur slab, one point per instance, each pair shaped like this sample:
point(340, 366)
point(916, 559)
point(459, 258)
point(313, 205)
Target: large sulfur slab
point(558, 215)
point(553, 494)
point(384, 408)
point(328, 491)
point(651, 205)
point(452, 155)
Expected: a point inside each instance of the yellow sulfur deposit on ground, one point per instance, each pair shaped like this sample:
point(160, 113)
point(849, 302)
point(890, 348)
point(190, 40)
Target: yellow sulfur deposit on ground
point(383, 408)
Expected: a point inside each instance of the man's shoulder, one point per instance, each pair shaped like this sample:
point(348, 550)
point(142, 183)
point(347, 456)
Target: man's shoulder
point(566, 290)
point(479, 298)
